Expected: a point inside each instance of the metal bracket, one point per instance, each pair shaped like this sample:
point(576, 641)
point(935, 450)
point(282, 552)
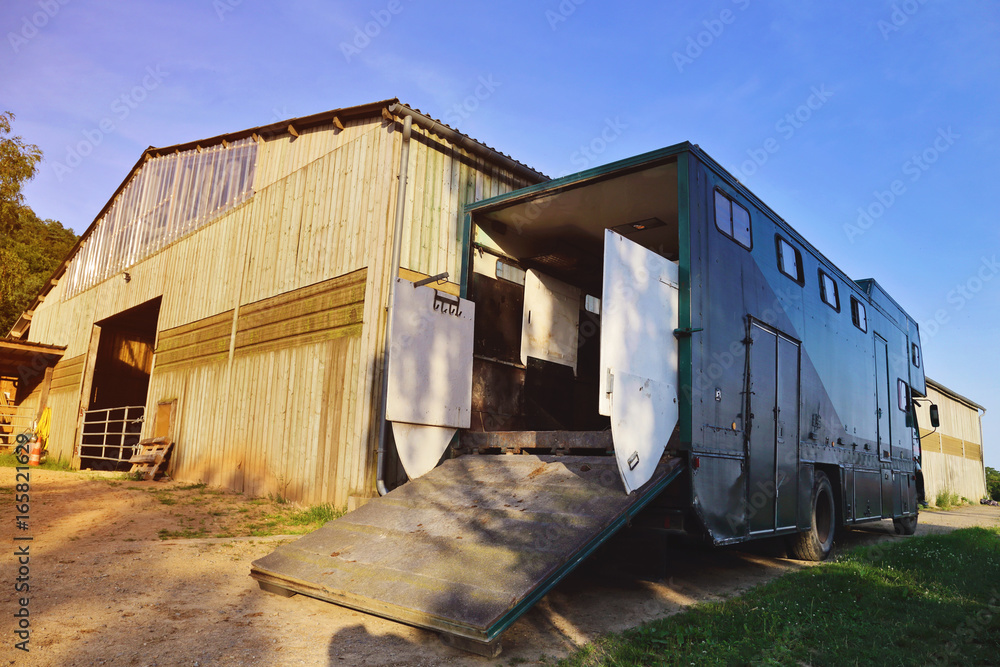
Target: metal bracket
point(686, 332)
point(433, 279)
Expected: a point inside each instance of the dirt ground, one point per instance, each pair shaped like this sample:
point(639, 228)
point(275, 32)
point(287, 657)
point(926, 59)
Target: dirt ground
point(106, 590)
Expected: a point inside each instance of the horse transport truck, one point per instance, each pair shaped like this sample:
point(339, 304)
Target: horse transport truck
point(641, 342)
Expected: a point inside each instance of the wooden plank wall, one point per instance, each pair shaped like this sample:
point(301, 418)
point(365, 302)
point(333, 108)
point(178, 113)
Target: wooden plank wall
point(955, 474)
point(263, 414)
point(198, 343)
point(443, 180)
point(64, 399)
point(286, 401)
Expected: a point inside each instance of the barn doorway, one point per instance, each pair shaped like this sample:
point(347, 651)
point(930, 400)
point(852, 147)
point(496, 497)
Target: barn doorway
point(116, 406)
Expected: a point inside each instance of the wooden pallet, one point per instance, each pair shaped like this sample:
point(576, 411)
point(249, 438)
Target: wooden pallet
point(151, 460)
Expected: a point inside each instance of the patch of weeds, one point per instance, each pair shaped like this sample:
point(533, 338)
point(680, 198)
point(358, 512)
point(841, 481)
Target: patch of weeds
point(163, 496)
point(181, 534)
point(9, 460)
point(317, 514)
point(946, 499)
point(188, 487)
point(61, 465)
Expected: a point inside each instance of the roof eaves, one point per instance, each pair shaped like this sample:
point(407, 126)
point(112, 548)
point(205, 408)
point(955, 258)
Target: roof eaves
point(954, 395)
point(266, 131)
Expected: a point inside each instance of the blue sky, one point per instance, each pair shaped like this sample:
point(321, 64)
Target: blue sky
point(871, 127)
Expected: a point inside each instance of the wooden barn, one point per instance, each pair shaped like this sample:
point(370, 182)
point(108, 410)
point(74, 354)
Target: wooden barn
point(952, 454)
point(232, 295)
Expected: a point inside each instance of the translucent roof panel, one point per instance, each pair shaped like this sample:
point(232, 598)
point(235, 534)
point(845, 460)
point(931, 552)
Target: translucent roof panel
point(171, 196)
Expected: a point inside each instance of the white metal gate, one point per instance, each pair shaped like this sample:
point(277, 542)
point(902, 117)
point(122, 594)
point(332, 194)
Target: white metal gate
point(110, 436)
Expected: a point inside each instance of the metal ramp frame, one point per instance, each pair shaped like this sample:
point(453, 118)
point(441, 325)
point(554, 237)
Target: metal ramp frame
point(469, 547)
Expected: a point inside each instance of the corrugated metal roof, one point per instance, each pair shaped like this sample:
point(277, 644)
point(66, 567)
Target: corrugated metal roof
point(291, 125)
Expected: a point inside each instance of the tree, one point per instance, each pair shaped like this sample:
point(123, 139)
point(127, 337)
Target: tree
point(30, 249)
point(18, 162)
point(993, 483)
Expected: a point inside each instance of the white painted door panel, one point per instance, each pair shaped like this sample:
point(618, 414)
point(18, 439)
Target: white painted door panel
point(551, 320)
point(430, 373)
point(639, 307)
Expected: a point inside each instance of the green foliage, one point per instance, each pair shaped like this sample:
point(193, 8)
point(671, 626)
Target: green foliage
point(18, 162)
point(946, 499)
point(993, 483)
point(30, 249)
point(926, 600)
point(29, 255)
point(317, 515)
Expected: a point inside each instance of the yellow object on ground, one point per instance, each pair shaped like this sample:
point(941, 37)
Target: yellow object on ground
point(43, 425)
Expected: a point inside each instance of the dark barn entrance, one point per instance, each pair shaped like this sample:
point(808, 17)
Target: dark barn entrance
point(113, 420)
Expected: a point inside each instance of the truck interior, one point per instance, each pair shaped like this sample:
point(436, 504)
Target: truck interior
point(536, 276)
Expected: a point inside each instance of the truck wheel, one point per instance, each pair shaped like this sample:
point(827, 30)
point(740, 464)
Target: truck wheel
point(906, 525)
point(816, 543)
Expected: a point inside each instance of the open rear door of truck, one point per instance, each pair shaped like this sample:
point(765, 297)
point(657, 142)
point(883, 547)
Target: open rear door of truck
point(639, 307)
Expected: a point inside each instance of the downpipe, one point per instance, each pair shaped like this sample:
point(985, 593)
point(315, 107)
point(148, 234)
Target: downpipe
point(397, 242)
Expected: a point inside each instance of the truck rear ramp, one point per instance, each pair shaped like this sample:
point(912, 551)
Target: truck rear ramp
point(467, 548)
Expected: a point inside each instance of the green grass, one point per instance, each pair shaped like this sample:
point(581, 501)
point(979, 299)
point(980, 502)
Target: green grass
point(293, 521)
point(235, 516)
point(931, 600)
point(8, 460)
point(316, 515)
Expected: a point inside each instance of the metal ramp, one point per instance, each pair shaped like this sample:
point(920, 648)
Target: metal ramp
point(467, 548)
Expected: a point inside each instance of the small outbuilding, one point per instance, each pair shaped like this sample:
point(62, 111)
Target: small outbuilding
point(952, 459)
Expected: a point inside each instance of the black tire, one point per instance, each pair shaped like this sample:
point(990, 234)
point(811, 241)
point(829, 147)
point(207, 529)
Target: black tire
point(817, 542)
point(906, 525)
